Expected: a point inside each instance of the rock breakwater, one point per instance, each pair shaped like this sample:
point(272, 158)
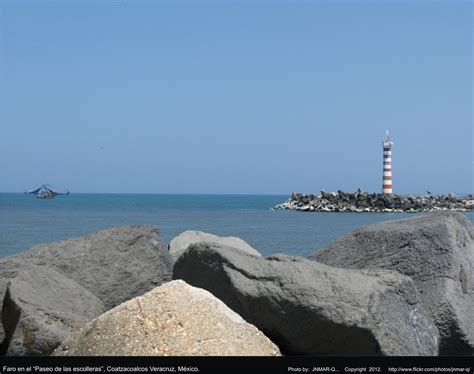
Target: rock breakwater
point(361, 201)
point(397, 288)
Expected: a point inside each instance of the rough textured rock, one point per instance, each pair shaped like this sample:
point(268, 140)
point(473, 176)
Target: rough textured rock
point(437, 251)
point(172, 320)
point(310, 308)
point(180, 243)
point(41, 308)
point(115, 265)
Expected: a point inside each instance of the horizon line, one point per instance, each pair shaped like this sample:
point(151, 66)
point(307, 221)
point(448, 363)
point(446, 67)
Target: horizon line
point(166, 193)
point(237, 194)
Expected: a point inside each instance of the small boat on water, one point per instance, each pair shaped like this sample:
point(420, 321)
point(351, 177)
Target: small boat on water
point(46, 192)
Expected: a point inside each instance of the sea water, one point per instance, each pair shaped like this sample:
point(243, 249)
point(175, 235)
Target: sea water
point(26, 221)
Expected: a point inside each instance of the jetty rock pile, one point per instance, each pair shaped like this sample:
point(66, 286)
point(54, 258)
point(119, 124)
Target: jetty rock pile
point(114, 265)
point(374, 202)
point(180, 243)
point(310, 308)
point(174, 319)
point(437, 252)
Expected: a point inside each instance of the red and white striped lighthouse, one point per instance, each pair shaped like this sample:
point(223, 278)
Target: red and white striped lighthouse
point(387, 164)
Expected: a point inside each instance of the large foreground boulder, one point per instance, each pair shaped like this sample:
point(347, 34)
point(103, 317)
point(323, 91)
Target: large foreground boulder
point(41, 308)
point(115, 265)
point(437, 251)
point(180, 243)
point(310, 308)
point(172, 320)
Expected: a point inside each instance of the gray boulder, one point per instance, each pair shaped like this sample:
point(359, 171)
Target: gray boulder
point(115, 265)
point(437, 252)
point(180, 243)
point(172, 320)
point(41, 308)
point(310, 308)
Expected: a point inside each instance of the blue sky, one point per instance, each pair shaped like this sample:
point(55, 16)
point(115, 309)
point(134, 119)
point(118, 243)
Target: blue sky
point(235, 97)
